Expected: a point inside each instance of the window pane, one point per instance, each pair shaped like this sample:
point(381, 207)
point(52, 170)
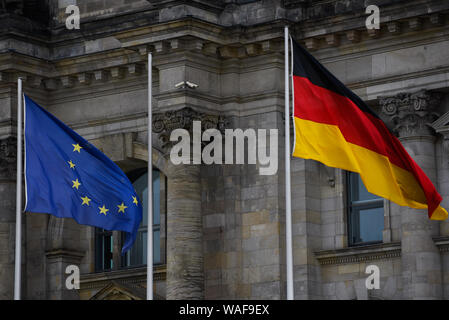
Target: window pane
point(156, 247)
point(142, 191)
point(156, 197)
point(134, 256)
point(111, 248)
point(103, 249)
point(358, 189)
point(366, 220)
point(371, 224)
point(138, 254)
point(144, 247)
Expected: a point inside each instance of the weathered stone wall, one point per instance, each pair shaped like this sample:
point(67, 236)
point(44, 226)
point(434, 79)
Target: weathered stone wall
point(242, 225)
point(8, 153)
point(347, 281)
point(233, 224)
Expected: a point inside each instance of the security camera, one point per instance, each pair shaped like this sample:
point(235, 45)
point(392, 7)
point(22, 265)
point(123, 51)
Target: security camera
point(186, 84)
point(180, 85)
point(191, 85)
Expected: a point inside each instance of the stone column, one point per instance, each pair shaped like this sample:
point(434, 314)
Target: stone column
point(412, 115)
point(63, 239)
point(185, 258)
point(7, 216)
point(185, 277)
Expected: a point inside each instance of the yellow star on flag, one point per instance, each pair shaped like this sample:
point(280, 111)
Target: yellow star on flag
point(77, 147)
point(135, 201)
point(86, 201)
point(122, 207)
point(72, 165)
point(76, 184)
point(103, 210)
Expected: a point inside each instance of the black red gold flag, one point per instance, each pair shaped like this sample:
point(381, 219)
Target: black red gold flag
point(334, 126)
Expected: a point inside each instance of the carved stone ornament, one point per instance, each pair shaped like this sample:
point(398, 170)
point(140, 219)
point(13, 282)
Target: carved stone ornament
point(412, 113)
point(55, 230)
point(164, 123)
point(8, 151)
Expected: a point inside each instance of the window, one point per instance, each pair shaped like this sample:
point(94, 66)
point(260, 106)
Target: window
point(104, 250)
point(366, 213)
point(138, 254)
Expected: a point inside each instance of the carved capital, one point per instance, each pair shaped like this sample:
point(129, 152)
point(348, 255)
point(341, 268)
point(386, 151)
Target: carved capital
point(411, 114)
point(8, 154)
point(164, 123)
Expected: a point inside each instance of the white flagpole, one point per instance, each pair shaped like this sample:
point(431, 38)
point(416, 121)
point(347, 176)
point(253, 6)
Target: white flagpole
point(18, 259)
point(288, 207)
point(150, 185)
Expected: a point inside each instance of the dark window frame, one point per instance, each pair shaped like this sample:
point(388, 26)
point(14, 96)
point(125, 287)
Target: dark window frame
point(104, 262)
point(104, 238)
point(354, 207)
point(133, 177)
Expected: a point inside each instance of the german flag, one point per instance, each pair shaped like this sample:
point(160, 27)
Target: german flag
point(334, 126)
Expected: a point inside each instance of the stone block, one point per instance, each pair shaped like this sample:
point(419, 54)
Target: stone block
point(261, 257)
point(345, 290)
point(266, 290)
point(267, 229)
point(255, 218)
point(349, 268)
point(214, 220)
point(329, 290)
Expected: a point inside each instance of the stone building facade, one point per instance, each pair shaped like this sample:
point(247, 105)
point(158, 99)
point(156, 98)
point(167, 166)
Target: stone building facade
point(221, 228)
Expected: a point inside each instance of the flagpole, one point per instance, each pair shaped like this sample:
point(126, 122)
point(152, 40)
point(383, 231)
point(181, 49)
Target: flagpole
point(288, 207)
point(18, 252)
point(150, 185)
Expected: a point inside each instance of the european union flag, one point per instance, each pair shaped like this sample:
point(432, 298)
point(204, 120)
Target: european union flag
point(68, 177)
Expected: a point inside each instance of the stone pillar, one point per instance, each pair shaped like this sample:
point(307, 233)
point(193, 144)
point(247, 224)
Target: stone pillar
point(62, 250)
point(185, 277)
point(306, 222)
point(7, 216)
point(412, 115)
point(185, 258)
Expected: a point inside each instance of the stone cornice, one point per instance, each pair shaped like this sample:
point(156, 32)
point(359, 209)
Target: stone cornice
point(319, 20)
point(354, 31)
point(374, 252)
point(64, 253)
point(359, 254)
point(442, 243)
point(122, 53)
point(122, 63)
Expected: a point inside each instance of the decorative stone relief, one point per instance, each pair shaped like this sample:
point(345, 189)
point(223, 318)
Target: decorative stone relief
point(8, 162)
point(412, 113)
point(441, 126)
point(55, 230)
point(165, 123)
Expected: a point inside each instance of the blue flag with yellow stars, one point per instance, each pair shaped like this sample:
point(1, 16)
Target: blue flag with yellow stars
point(68, 177)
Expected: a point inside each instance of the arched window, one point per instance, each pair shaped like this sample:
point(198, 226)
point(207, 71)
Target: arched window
point(138, 253)
point(107, 252)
